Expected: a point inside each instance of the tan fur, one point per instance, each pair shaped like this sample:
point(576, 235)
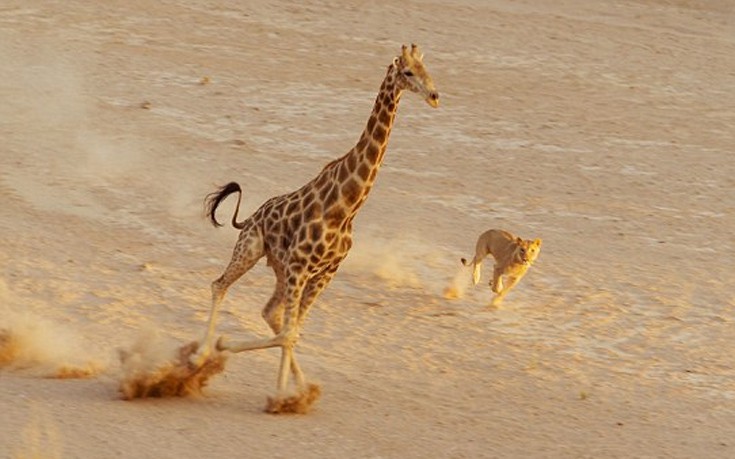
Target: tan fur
point(513, 256)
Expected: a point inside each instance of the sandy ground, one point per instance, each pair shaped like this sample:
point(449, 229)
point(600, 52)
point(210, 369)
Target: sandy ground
point(604, 128)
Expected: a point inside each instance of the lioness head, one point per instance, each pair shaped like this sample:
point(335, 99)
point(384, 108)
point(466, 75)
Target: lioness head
point(527, 250)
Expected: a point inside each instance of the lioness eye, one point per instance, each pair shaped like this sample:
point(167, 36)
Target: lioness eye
point(408, 73)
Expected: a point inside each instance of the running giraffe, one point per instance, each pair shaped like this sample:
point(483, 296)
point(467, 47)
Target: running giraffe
point(306, 234)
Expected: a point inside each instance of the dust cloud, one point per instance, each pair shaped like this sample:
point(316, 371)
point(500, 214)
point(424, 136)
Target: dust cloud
point(41, 347)
point(458, 284)
point(158, 367)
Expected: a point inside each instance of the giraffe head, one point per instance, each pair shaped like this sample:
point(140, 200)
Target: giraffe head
point(412, 75)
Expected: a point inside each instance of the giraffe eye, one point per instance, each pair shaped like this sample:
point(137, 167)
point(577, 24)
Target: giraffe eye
point(408, 73)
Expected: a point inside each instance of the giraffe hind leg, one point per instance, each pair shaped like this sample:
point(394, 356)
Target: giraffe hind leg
point(248, 250)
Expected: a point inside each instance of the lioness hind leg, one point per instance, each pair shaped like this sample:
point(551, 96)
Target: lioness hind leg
point(476, 273)
point(476, 267)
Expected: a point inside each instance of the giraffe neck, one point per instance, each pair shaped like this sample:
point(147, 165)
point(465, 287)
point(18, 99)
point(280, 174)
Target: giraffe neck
point(356, 171)
point(370, 151)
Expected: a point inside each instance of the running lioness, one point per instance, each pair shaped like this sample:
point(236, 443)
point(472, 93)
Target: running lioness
point(513, 256)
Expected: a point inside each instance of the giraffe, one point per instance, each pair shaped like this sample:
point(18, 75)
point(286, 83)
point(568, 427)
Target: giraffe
point(306, 234)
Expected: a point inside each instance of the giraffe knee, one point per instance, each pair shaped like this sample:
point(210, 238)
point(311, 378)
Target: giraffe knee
point(274, 318)
point(218, 290)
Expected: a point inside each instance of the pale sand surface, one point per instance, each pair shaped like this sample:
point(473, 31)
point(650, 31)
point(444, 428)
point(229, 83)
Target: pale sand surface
point(604, 128)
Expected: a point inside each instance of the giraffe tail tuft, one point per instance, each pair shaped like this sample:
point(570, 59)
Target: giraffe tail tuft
point(213, 200)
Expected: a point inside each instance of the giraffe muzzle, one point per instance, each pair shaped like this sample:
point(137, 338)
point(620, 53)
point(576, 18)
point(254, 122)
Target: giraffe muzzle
point(433, 99)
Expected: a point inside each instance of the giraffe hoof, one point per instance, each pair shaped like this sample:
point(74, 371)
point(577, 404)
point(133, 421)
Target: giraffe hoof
point(299, 403)
point(197, 359)
point(222, 344)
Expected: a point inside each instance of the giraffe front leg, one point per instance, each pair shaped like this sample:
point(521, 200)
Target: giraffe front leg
point(273, 315)
point(306, 394)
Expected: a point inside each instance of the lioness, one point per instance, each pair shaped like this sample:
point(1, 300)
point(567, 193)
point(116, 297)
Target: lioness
point(513, 256)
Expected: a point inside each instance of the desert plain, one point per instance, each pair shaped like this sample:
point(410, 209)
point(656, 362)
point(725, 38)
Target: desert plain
point(603, 128)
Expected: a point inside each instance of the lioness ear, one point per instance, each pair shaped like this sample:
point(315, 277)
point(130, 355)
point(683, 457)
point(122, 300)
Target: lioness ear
point(537, 242)
point(519, 240)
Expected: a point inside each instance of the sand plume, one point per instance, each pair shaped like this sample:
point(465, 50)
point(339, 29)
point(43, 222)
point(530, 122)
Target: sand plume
point(458, 285)
point(153, 368)
point(38, 346)
point(299, 403)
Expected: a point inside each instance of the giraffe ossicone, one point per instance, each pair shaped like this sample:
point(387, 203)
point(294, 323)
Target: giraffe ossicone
point(306, 234)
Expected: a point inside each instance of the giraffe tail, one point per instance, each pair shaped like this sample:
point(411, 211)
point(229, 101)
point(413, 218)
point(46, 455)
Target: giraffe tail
point(213, 200)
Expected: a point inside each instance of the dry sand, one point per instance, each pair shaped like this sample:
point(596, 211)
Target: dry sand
point(605, 128)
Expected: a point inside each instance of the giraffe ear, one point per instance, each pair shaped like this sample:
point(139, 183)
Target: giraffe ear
point(395, 61)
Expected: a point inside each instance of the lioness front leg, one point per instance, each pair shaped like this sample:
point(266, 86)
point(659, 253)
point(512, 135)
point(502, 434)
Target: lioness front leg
point(512, 281)
point(496, 284)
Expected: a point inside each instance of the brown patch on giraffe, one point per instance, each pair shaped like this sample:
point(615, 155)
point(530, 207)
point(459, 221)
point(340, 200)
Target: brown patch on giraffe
point(271, 240)
point(379, 134)
point(391, 107)
point(371, 123)
point(371, 154)
point(352, 162)
point(299, 403)
point(308, 198)
point(319, 249)
point(332, 197)
point(351, 191)
point(345, 244)
point(312, 211)
point(384, 117)
point(294, 222)
point(335, 216)
point(150, 373)
point(363, 171)
point(343, 173)
point(293, 206)
point(306, 247)
point(322, 180)
point(315, 231)
point(271, 220)
point(362, 143)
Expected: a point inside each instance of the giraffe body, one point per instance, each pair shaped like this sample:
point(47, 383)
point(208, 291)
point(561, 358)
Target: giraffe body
point(307, 233)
